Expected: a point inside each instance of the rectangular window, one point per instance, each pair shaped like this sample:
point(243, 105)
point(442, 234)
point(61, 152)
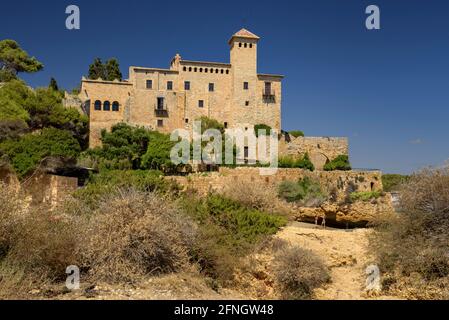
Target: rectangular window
point(149, 84)
point(187, 85)
point(160, 103)
point(201, 103)
point(245, 85)
point(187, 121)
point(246, 152)
point(226, 125)
point(170, 85)
point(246, 103)
point(160, 123)
point(211, 87)
point(268, 88)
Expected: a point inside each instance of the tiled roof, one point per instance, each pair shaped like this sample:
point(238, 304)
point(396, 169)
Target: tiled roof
point(243, 33)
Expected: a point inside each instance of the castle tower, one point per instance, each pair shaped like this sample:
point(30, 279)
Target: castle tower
point(244, 76)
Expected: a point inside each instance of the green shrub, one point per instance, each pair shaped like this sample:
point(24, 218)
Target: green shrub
point(364, 196)
point(27, 152)
point(227, 231)
point(305, 190)
point(392, 182)
point(107, 182)
point(302, 163)
point(262, 127)
point(296, 133)
point(339, 163)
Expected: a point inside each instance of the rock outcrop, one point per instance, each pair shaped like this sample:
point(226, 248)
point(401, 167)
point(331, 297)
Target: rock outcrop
point(350, 215)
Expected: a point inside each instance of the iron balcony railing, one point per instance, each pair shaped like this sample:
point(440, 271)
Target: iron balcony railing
point(161, 111)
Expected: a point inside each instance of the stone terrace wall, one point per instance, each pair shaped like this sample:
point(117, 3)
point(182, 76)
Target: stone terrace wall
point(320, 149)
point(340, 182)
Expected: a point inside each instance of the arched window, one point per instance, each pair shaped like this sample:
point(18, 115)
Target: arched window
point(97, 105)
point(106, 106)
point(206, 70)
point(185, 68)
point(201, 69)
point(195, 69)
point(190, 69)
point(115, 106)
point(246, 45)
point(240, 44)
point(227, 71)
point(216, 70)
point(250, 45)
point(222, 71)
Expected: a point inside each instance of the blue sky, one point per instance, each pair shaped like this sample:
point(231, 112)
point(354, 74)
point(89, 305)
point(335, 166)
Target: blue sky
point(387, 90)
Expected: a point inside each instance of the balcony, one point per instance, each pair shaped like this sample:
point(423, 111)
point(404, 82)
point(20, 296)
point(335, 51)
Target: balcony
point(161, 111)
point(269, 95)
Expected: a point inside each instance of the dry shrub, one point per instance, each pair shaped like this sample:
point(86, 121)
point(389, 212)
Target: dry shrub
point(412, 247)
point(135, 234)
point(36, 246)
point(256, 196)
point(298, 272)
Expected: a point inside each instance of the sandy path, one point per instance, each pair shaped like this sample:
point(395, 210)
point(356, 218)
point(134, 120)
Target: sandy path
point(343, 251)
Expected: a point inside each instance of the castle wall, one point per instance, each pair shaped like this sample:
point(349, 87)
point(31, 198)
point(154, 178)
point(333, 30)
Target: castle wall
point(320, 149)
point(340, 182)
point(93, 90)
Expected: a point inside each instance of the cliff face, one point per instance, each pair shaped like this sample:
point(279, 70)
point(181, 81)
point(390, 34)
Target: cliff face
point(351, 215)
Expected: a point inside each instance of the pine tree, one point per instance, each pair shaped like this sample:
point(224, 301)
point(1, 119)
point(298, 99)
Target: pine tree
point(97, 70)
point(113, 70)
point(53, 84)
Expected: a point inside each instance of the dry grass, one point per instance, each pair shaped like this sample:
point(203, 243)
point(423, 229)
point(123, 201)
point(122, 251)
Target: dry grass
point(298, 272)
point(412, 247)
point(256, 196)
point(130, 234)
point(135, 234)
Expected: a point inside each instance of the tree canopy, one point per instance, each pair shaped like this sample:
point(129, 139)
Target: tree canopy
point(109, 71)
point(13, 59)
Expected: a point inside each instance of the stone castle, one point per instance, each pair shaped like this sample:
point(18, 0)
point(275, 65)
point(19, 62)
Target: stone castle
point(233, 93)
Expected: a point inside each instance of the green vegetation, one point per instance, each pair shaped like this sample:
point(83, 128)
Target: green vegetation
point(305, 190)
point(35, 110)
point(53, 85)
point(14, 59)
point(132, 148)
point(227, 231)
point(339, 163)
point(109, 181)
point(303, 163)
point(29, 150)
point(266, 130)
point(296, 133)
point(392, 182)
point(108, 71)
point(364, 196)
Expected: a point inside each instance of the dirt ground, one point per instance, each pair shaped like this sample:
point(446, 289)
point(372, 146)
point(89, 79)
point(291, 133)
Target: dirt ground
point(345, 252)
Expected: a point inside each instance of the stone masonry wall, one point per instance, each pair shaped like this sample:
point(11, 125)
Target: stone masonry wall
point(320, 149)
point(340, 182)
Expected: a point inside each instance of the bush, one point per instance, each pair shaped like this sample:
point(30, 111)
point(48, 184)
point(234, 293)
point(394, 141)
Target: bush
point(227, 231)
point(134, 234)
point(339, 163)
point(305, 191)
point(27, 152)
point(364, 196)
point(298, 272)
point(302, 163)
point(411, 248)
point(393, 182)
point(255, 196)
point(265, 127)
point(108, 182)
point(296, 133)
